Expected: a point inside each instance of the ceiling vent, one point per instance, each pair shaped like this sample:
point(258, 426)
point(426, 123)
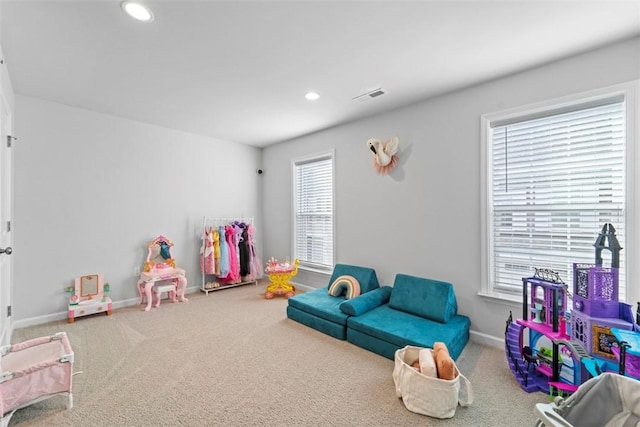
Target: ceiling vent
point(368, 96)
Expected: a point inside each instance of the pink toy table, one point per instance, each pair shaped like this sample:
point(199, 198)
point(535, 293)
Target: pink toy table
point(171, 280)
point(161, 274)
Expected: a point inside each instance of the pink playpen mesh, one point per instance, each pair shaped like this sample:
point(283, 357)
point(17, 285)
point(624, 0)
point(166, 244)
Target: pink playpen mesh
point(34, 370)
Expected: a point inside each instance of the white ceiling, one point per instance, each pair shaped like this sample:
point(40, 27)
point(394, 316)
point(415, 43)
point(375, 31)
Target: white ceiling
point(238, 70)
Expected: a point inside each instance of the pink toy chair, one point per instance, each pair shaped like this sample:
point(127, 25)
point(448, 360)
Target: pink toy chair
point(34, 370)
point(170, 287)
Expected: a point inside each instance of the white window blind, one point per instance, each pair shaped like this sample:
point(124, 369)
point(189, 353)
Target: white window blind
point(555, 181)
point(313, 211)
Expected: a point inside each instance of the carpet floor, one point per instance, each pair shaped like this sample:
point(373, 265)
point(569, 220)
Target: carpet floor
point(233, 358)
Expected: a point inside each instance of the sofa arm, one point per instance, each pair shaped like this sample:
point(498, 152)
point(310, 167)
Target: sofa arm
point(367, 301)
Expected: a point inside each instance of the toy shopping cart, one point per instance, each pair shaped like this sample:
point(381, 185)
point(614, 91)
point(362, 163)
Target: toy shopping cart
point(607, 400)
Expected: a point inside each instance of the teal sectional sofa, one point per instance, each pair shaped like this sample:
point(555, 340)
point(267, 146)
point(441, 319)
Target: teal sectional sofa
point(319, 310)
point(415, 311)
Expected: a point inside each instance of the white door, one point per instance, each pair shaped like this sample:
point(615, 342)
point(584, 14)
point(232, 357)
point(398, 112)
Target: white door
point(6, 225)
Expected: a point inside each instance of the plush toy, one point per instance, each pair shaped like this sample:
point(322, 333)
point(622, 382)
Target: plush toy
point(384, 154)
point(427, 363)
point(445, 364)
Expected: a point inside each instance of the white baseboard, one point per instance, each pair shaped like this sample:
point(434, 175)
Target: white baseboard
point(302, 287)
point(63, 315)
point(474, 336)
point(485, 339)
point(477, 337)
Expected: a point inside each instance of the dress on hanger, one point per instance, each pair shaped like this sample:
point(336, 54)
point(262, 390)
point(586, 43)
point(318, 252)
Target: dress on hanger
point(216, 251)
point(234, 265)
point(206, 256)
point(225, 264)
point(243, 249)
point(255, 263)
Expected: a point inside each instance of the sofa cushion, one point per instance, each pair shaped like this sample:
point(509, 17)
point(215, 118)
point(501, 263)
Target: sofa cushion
point(366, 276)
point(427, 298)
point(325, 326)
point(319, 310)
point(366, 302)
point(319, 303)
point(347, 286)
point(400, 328)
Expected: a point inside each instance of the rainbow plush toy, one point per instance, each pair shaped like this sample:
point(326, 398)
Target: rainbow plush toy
point(347, 285)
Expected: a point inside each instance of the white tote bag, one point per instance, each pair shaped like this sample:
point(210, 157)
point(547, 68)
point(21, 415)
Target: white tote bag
point(428, 395)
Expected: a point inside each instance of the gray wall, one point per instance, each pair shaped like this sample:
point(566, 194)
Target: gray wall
point(5, 81)
point(424, 219)
point(91, 190)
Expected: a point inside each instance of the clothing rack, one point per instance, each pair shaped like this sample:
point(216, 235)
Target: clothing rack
point(219, 222)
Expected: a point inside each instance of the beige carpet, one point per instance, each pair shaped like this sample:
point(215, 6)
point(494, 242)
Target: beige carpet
point(232, 358)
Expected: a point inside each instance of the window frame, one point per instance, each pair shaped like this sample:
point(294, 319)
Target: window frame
point(628, 91)
point(304, 264)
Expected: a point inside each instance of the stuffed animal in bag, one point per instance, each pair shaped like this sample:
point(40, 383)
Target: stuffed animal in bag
point(445, 364)
point(427, 363)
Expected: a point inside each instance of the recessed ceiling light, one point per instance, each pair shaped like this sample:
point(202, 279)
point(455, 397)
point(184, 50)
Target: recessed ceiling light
point(312, 96)
point(138, 11)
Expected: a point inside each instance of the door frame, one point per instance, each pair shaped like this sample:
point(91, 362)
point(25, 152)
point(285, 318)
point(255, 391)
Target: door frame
point(7, 141)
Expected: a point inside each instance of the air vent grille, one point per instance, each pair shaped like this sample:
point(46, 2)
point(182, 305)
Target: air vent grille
point(368, 96)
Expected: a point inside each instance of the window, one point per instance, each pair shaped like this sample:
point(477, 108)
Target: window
point(313, 211)
point(554, 176)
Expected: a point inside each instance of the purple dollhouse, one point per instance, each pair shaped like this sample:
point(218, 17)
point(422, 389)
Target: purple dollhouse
point(596, 309)
point(566, 348)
